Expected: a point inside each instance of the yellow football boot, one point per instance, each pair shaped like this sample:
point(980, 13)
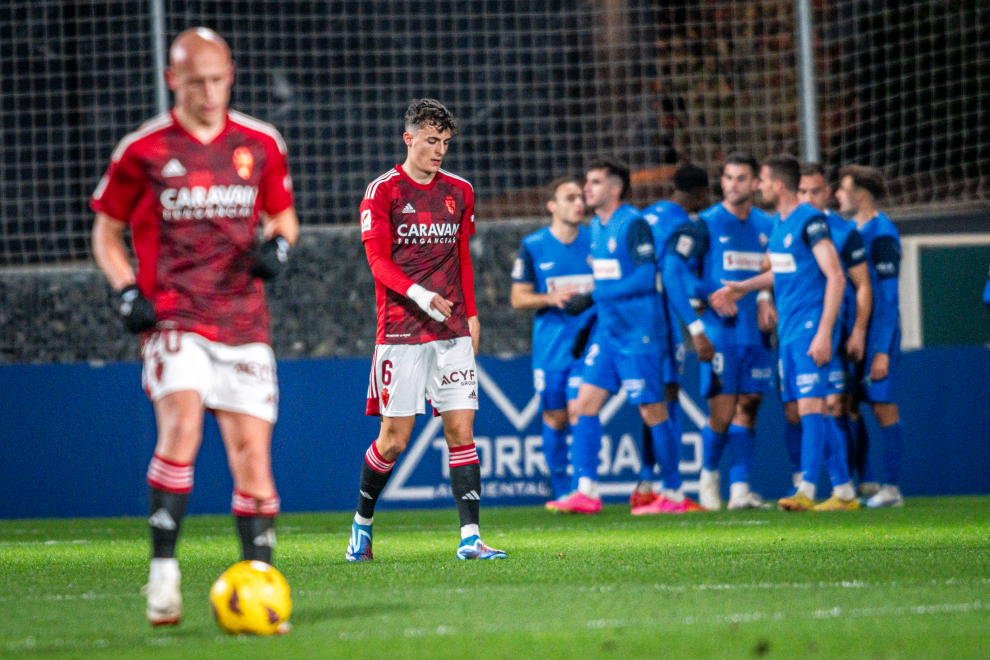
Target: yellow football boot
point(796, 502)
point(835, 503)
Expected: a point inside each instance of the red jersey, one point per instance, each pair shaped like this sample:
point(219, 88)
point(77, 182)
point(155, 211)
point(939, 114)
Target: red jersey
point(426, 225)
point(193, 211)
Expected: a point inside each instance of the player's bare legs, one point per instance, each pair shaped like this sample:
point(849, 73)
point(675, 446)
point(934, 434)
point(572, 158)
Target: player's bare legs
point(255, 503)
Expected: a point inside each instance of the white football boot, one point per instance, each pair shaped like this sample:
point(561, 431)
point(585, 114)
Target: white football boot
point(163, 593)
point(709, 495)
point(741, 497)
point(887, 496)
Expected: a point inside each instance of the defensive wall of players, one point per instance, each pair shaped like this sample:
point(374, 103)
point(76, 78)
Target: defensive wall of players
point(69, 426)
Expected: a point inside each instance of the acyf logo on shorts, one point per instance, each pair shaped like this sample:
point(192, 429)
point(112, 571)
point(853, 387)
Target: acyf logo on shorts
point(460, 377)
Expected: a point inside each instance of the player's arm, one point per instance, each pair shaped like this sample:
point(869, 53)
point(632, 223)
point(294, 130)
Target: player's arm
point(467, 285)
point(681, 284)
point(817, 235)
point(724, 300)
point(280, 228)
point(110, 253)
point(642, 253)
point(854, 260)
point(523, 295)
point(885, 252)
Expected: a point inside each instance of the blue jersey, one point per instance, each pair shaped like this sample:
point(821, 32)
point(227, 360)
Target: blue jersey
point(700, 255)
point(550, 266)
point(664, 217)
point(623, 259)
point(798, 281)
point(849, 245)
point(883, 258)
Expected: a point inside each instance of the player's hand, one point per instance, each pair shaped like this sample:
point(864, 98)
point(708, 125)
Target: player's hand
point(270, 257)
point(136, 311)
point(430, 302)
point(821, 349)
point(856, 346)
point(880, 367)
point(560, 297)
point(579, 304)
point(474, 327)
point(724, 300)
point(766, 315)
point(703, 345)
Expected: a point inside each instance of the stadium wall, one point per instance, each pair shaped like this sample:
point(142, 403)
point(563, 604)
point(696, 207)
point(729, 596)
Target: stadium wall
point(78, 438)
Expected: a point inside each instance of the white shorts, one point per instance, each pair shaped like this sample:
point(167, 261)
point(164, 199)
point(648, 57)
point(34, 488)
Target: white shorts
point(236, 378)
point(403, 376)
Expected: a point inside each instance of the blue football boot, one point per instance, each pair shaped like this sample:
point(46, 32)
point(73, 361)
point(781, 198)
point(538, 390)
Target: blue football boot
point(359, 547)
point(473, 548)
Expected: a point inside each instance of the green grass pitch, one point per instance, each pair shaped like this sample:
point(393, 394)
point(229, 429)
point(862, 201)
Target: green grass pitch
point(910, 583)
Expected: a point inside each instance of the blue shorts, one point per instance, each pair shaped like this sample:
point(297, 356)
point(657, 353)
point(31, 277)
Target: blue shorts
point(801, 378)
point(608, 368)
point(557, 387)
point(881, 391)
point(737, 370)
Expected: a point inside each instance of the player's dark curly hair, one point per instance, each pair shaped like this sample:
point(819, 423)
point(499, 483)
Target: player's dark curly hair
point(743, 158)
point(690, 178)
point(869, 179)
point(786, 169)
point(429, 112)
point(616, 169)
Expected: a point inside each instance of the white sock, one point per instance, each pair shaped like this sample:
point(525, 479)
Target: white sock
point(467, 531)
point(738, 490)
point(588, 487)
point(644, 487)
point(797, 478)
point(709, 476)
point(163, 568)
point(845, 491)
point(807, 488)
point(673, 495)
point(361, 520)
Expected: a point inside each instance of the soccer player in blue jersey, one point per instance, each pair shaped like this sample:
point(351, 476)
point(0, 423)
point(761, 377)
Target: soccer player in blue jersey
point(727, 243)
point(854, 317)
point(551, 269)
point(690, 196)
point(625, 349)
point(859, 190)
point(808, 283)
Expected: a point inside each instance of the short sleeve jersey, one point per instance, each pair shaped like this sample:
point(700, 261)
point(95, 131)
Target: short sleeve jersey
point(882, 245)
point(551, 266)
point(193, 210)
point(664, 217)
point(618, 248)
point(425, 224)
point(798, 281)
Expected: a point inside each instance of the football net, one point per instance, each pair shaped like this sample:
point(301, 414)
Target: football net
point(540, 89)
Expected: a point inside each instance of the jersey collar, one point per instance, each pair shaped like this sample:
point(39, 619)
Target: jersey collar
point(193, 138)
point(418, 186)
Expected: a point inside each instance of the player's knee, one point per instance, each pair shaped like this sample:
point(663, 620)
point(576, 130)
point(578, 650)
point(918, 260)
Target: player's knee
point(835, 407)
point(555, 419)
point(887, 414)
point(791, 413)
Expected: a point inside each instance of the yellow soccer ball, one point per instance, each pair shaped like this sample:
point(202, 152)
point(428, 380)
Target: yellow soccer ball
point(253, 598)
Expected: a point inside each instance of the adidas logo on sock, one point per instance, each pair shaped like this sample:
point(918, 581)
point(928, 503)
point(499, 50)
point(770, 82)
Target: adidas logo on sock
point(409, 209)
point(162, 519)
point(365, 495)
point(472, 495)
point(173, 168)
point(266, 539)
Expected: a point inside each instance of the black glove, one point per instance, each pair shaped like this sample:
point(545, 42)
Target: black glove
point(579, 304)
point(270, 258)
point(136, 311)
point(580, 342)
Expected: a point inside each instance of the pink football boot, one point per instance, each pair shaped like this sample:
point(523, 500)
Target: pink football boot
point(665, 505)
point(576, 502)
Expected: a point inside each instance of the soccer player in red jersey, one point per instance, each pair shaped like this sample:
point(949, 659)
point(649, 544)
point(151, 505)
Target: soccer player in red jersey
point(193, 185)
point(416, 220)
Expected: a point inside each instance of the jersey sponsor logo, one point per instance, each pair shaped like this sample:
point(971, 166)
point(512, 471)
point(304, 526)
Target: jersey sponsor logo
point(451, 205)
point(817, 229)
point(243, 162)
point(761, 374)
point(685, 245)
point(858, 254)
point(423, 234)
point(547, 265)
point(255, 371)
point(749, 261)
point(173, 168)
point(366, 220)
point(612, 245)
point(887, 268)
point(409, 208)
point(213, 202)
point(460, 377)
point(576, 283)
point(782, 262)
point(806, 382)
point(788, 240)
point(607, 269)
point(644, 249)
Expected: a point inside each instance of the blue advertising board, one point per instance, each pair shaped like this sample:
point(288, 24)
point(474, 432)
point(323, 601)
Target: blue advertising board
point(77, 438)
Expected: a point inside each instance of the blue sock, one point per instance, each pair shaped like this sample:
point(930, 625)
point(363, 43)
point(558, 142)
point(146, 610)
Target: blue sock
point(792, 440)
point(893, 448)
point(584, 450)
point(555, 450)
point(714, 445)
point(648, 455)
point(812, 445)
point(836, 451)
point(668, 451)
point(743, 443)
point(864, 466)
